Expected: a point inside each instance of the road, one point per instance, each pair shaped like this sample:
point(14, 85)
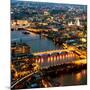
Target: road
point(22, 79)
point(56, 51)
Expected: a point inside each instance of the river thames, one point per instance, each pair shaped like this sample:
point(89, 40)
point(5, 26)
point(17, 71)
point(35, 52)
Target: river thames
point(77, 78)
point(38, 44)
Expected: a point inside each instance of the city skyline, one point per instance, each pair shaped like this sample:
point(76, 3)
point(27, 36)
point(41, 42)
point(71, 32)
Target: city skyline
point(48, 45)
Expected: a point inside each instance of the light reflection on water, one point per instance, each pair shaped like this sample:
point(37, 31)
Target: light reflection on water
point(78, 78)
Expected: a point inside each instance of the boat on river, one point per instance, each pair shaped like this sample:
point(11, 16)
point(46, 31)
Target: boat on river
point(25, 32)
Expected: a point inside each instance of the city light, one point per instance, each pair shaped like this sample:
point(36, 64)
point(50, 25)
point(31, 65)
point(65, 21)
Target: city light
point(48, 41)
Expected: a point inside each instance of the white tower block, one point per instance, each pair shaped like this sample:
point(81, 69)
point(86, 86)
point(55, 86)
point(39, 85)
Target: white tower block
point(77, 21)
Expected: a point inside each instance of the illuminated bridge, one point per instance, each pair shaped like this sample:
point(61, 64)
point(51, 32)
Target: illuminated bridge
point(57, 57)
point(52, 58)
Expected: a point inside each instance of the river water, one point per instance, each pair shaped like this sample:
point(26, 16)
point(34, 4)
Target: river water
point(76, 78)
point(36, 43)
point(42, 44)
